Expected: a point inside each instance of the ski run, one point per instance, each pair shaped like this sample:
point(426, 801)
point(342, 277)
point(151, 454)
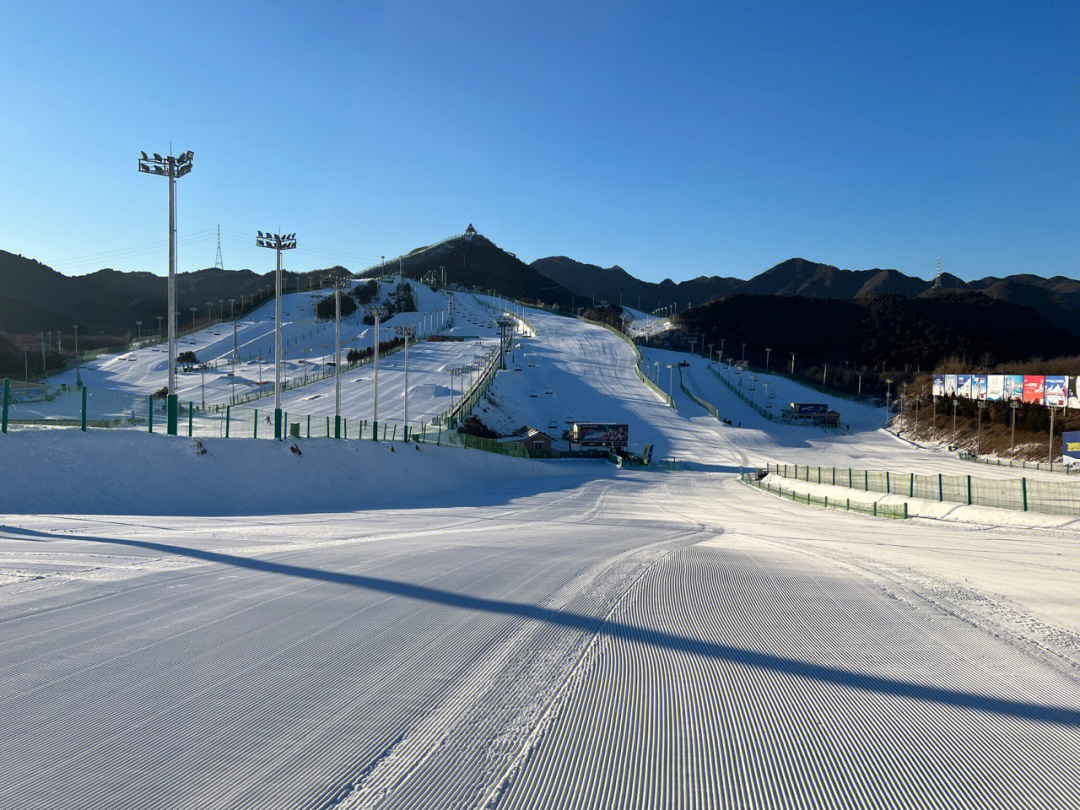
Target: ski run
point(226, 623)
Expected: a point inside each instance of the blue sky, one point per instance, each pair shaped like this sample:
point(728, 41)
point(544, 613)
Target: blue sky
point(673, 140)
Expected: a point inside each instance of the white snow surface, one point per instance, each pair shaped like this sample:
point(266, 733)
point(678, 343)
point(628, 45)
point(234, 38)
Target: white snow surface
point(353, 627)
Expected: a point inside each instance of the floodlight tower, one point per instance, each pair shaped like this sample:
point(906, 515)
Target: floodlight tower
point(406, 332)
point(337, 284)
point(278, 243)
point(172, 168)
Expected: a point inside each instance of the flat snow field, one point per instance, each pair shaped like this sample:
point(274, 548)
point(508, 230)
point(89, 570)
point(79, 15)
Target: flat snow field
point(353, 627)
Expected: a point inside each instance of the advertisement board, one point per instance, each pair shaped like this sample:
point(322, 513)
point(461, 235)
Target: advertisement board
point(950, 385)
point(995, 387)
point(807, 408)
point(963, 385)
point(1074, 392)
point(1034, 386)
point(980, 385)
point(597, 434)
point(1070, 446)
point(939, 385)
point(1014, 387)
point(1056, 391)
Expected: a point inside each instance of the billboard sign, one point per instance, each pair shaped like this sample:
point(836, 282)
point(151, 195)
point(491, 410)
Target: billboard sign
point(1070, 446)
point(1014, 387)
point(1034, 388)
point(1056, 391)
point(980, 386)
point(808, 408)
point(950, 385)
point(1074, 392)
point(939, 385)
point(995, 387)
point(963, 385)
point(596, 434)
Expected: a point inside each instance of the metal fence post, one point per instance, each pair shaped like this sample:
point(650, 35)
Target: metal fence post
point(171, 407)
point(905, 510)
point(866, 480)
point(228, 418)
point(1023, 492)
point(887, 482)
point(150, 414)
point(969, 490)
point(940, 489)
point(7, 399)
point(374, 431)
point(875, 508)
point(255, 425)
point(911, 485)
point(83, 409)
point(190, 417)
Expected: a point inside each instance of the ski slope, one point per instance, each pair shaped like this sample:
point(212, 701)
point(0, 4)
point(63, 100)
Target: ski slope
point(353, 627)
point(118, 385)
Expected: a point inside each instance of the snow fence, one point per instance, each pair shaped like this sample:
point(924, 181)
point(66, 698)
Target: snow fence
point(1020, 494)
point(875, 509)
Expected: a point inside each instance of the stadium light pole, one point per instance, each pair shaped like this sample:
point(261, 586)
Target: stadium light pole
point(172, 167)
point(671, 377)
point(1012, 434)
point(277, 243)
point(159, 317)
point(1050, 444)
point(374, 311)
point(768, 351)
point(337, 355)
point(793, 364)
point(406, 332)
point(138, 330)
point(76, 328)
point(978, 441)
point(955, 404)
point(209, 313)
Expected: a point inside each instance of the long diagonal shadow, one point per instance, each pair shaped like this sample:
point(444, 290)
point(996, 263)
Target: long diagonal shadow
point(1056, 715)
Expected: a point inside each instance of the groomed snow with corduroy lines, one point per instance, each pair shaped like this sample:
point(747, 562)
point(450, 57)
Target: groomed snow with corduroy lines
point(229, 624)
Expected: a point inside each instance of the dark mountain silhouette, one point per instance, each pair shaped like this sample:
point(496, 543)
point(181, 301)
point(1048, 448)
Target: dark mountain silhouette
point(472, 260)
point(871, 330)
point(616, 286)
point(35, 298)
point(1057, 298)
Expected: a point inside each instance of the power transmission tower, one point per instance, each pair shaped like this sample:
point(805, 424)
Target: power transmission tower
point(218, 263)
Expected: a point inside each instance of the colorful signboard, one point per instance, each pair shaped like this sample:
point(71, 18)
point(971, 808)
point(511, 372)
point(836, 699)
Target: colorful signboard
point(950, 385)
point(1056, 391)
point(1014, 387)
point(939, 385)
point(1034, 388)
point(963, 385)
point(1074, 392)
point(591, 434)
point(1070, 446)
point(979, 386)
point(995, 387)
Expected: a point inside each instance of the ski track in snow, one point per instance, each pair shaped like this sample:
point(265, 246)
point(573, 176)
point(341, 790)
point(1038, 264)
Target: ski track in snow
point(633, 640)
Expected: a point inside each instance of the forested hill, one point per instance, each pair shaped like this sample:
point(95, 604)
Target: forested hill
point(900, 332)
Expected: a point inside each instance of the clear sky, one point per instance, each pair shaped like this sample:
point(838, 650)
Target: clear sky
point(673, 140)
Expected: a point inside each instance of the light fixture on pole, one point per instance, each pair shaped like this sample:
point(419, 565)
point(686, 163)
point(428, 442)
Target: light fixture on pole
point(768, 351)
point(277, 243)
point(338, 283)
point(374, 312)
point(172, 167)
point(406, 332)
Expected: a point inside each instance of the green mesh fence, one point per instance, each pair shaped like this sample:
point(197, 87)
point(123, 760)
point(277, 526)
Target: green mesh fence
point(874, 509)
point(1021, 494)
